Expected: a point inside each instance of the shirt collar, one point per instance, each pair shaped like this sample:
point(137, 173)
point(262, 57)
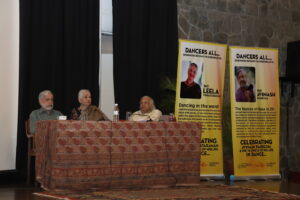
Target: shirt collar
point(43, 110)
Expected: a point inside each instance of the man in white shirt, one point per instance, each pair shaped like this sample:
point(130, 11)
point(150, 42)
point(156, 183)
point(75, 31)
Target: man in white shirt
point(147, 111)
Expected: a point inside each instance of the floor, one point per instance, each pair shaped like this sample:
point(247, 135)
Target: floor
point(22, 191)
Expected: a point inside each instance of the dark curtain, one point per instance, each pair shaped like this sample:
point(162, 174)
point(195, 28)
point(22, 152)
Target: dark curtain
point(59, 51)
point(145, 42)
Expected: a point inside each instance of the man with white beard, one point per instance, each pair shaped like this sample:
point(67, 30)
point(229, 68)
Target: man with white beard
point(245, 92)
point(46, 111)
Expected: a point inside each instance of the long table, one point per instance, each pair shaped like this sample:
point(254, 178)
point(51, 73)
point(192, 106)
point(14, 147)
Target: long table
point(88, 154)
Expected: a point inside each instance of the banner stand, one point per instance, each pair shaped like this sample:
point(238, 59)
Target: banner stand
point(199, 98)
point(255, 112)
point(213, 177)
point(248, 178)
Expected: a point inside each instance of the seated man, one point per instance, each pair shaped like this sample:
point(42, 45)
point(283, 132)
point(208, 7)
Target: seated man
point(46, 111)
point(147, 111)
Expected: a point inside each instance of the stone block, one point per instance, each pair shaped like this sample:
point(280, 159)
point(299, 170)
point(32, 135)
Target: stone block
point(207, 36)
point(185, 13)
point(226, 25)
point(194, 3)
point(236, 26)
point(285, 14)
point(195, 34)
point(193, 16)
point(222, 5)
point(179, 2)
point(183, 8)
point(263, 10)
point(297, 32)
point(234, 6)
point(183, 24)
point(251, 9)
point(267, 29)
point(216, 19)
point(212, 4)
point(181, 33)
point(273, 4)
point(296, 16)
point(214, 16)
point(256, 28)
point(216, 26)
point(263, 42)
point(221, 38)
point(285, 4)
point(274, 43)
point(295, 4)
point(235, 40)
point(280, 31)
point(248, 41)
point(203, 22)
point(247, 24)
point(273, 14)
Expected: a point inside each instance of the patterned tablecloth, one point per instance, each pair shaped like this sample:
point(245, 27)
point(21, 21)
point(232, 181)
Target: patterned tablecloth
point(87, 154)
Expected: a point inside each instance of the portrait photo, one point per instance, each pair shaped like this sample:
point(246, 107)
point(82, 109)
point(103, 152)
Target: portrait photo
point(245, 84)
point(191, 79)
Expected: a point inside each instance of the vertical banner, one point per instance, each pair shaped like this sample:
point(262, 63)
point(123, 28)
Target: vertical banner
point(199, 97)
point(254, 85)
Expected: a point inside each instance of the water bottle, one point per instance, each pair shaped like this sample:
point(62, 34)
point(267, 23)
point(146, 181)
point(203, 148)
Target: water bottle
point(116, 113)
point(172, 117)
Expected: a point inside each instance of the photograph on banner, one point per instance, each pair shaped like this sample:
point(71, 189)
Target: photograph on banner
point(254, 84)
point(199, 96)
point(191, 80)
point(244, 84)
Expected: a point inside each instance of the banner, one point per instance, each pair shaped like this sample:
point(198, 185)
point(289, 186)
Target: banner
point(254, 84)
point(199, 96)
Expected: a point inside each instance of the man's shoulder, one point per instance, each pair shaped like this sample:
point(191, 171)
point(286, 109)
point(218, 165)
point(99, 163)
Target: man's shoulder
point(239, 91)
point(156, 111)
point(57, 112)
point(35, 112)
point(137, 112)
point(195, 86)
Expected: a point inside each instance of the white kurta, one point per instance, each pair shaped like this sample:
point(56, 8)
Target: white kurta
point(138, 116)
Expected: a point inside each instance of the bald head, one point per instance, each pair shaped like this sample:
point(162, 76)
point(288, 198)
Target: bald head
point(146, 104)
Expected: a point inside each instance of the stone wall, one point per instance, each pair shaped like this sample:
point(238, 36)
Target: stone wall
point(290, 128)
point(253, 23)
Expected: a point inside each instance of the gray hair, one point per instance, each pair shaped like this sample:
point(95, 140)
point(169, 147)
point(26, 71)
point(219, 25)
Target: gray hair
point(151, 101)
point(44, 93)
point(80, 93)
point(239, 71)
